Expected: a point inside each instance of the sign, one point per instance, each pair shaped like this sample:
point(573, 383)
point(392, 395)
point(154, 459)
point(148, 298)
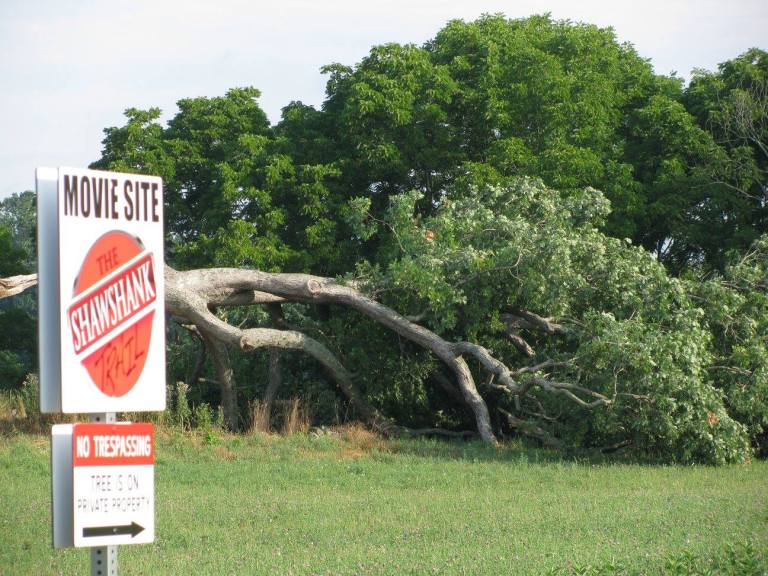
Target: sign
point(102, 320)
point(103, 490)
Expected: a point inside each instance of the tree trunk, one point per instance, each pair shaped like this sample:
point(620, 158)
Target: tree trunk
point(273, 385)
point(224, 374)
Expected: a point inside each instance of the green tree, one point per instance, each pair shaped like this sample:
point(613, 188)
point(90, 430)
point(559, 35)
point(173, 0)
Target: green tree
point(459, 181)
point(234, 193)
point(736, 312)
point(561, 101)
point(18, 325)
point(18, 215)
point(732, 104)
point(12, 257)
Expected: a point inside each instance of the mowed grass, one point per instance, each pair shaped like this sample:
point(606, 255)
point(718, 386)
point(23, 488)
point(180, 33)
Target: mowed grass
point(351, 503)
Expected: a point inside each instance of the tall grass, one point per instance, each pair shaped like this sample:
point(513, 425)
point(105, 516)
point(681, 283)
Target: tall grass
point(285, 416)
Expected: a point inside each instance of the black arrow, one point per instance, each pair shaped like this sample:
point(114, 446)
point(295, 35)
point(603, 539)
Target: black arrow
point(131, 529)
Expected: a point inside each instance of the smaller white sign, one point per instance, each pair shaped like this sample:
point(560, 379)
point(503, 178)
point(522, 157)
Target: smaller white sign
point(111, 498)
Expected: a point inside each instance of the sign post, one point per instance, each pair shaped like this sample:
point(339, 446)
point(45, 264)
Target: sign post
point(102, 351)
point(104, 558)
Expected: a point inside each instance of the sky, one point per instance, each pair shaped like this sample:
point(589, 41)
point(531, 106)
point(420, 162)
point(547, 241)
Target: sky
point(69, 69)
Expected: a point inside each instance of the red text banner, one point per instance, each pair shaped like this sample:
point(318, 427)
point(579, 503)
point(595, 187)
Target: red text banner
point(98, 444)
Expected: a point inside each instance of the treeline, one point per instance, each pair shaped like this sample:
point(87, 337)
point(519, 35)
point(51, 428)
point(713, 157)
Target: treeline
point(528, 185)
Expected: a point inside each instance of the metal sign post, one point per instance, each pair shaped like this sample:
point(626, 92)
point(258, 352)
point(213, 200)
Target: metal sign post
point(104, 561)
point(104, 558)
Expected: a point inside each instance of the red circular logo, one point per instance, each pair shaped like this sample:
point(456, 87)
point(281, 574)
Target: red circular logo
point(111, 313)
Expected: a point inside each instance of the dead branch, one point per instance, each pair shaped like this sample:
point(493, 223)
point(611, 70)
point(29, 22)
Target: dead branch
point(189, 290)
point(16, 284)
point(185, 302)
point(537, 367)
point(568, 390)
point(531, 429)
point(519, 342)
point(526, 320)
point(491, 364)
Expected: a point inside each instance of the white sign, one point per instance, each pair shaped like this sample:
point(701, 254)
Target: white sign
point(104, 494)
point(101, 291)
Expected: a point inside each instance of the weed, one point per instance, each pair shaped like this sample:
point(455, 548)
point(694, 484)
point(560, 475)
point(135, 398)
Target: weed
point(259, 418)
point(296, 417)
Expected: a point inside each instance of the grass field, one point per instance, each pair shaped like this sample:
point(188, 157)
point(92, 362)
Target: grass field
point(350, 503)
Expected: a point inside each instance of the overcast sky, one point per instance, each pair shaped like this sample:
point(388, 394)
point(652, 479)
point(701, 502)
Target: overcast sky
point(70, 68)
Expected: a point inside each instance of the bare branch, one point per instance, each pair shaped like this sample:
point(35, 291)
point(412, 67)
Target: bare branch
point(538, 367)
point(193, 285)
point(568, 390)
point(190, 294)
point(518, 342)
point(531, 429)
point(533, 322)
point(491, 364)
point(188, 304)
point(16, 284)
point(241, 297)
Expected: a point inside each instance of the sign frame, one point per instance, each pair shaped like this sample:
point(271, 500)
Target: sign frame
point(69, 230)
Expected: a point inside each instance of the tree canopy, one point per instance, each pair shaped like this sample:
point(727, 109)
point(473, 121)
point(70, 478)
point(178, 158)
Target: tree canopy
point(517, 227)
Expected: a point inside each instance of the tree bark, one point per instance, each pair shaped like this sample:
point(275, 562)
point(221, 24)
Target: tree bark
point(16, 284)
point(224, 374)
point(273, 385)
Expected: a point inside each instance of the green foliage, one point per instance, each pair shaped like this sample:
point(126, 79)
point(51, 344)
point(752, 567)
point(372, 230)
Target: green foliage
point(634, 333)
point(11, 257)
point(684, 169)
point(18, 346)
point(735, 560)
point(234, 194)
point(561, 101)
point(506, 165)
point(18, 234)
point(736, 313)
point(732, 104)
point(18, 315)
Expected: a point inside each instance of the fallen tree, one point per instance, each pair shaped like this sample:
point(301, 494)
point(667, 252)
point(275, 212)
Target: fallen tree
point(192, 295)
